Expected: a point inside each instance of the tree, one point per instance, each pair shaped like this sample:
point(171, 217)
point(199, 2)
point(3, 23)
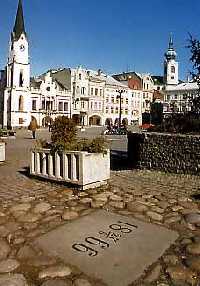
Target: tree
point(194, 46)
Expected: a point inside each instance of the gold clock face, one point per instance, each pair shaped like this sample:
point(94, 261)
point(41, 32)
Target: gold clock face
point(22, 48)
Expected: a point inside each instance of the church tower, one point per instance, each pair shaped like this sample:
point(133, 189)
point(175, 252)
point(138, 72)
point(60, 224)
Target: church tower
point(17, 93)
point(170, 65)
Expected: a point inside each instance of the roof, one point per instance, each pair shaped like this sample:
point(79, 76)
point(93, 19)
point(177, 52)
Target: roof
point(158, 80)
point(183, 86)
point(109, 80)
point(19, 27)
point(125, 76)
point(35, 83)
point(63, 77)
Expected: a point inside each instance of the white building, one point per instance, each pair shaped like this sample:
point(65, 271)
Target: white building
point(177, 94)
point(89, 97)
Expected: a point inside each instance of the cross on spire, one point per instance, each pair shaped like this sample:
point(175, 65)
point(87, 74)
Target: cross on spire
point(19, 22)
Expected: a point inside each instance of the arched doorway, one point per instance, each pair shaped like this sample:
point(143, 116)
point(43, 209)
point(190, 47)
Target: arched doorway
point(76, 119)
point(95, 120)
point(46, 121)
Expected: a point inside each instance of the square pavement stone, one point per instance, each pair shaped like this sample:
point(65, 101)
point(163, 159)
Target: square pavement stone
point(113, 248)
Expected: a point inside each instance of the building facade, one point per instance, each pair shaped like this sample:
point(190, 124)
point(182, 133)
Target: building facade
point(178, 95)
point(89, 97)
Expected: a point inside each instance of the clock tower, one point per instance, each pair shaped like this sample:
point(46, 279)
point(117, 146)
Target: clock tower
point(170, 65)
point(17, 93)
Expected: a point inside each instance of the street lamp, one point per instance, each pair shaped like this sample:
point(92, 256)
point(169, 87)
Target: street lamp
point(120, 91)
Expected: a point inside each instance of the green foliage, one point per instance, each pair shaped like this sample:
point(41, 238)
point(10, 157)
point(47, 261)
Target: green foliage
point(96, 145)
point(194, 46)
point(156, 113)
point(179, 123)
point(64, 137)
point(63, 131)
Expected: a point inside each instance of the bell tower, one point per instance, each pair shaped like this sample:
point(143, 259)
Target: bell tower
point(170, 65)
point(17, 93)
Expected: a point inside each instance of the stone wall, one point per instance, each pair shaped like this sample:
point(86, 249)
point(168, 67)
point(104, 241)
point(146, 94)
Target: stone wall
point(165, 152)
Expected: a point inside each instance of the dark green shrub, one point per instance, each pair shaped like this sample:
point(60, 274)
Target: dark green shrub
point(63, 131)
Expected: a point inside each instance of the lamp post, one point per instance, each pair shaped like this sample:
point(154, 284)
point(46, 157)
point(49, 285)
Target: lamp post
point(120, 91)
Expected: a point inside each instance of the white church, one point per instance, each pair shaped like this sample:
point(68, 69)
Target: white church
point(89, 97)
point(177, 94)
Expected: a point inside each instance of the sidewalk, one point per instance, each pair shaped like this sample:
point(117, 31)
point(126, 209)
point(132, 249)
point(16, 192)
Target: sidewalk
point(30, 208)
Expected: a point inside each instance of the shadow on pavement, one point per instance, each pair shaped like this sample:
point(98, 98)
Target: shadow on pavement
point(119, 160)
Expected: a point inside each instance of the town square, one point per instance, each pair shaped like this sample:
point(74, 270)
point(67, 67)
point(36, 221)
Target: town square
point(99, 171)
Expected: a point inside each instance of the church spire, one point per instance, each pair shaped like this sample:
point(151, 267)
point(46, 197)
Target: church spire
point(171, 44)
point(19, 22)
point(171, 53)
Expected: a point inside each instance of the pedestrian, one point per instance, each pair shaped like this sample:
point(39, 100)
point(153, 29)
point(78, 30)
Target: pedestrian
point(33, 126)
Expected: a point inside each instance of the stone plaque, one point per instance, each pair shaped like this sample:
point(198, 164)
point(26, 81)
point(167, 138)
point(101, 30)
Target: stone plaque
point(113, 248)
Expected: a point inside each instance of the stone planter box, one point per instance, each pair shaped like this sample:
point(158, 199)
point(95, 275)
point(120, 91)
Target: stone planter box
point(86, 170)
point(2, 152)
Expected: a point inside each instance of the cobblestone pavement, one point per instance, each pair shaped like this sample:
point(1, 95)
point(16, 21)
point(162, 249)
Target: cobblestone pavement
point(29, 208)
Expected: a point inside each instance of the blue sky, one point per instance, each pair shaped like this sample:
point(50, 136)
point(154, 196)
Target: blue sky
point(114, 35)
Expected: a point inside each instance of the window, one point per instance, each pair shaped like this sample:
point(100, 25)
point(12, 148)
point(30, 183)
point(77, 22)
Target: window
point(168, 97)
point(116, 110)
point(66, 106)
point(117, 100)
point(107, 99)
point(21, 103)
point(92, 90)
point(107, 109)
point(101, 93)
point(91, 104)
point(82, 90)
point(95, 105)
point(112, 110)
point(147, 86)
point(126, 100)
point(48, 88)
point(33, 104)
point(126, 111)
point(175, 96)
point(74, 89)
point(172, 77)
point(43, 104)
point(21, 80)
point(99, 105)
point(48, 105)
point(82, 104)
point(77, 89)
point(79, 76)
point(112, 99)
point(185, 96)
point(60, 106)
point(158, 87)
point(96, 91)
point(21, 120)
point(172, 69)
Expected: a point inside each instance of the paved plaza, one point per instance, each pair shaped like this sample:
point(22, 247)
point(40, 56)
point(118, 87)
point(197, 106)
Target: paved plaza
point(32, 208)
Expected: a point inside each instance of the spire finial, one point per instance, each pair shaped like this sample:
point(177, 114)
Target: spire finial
point(171, 44)
point(19, 22)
